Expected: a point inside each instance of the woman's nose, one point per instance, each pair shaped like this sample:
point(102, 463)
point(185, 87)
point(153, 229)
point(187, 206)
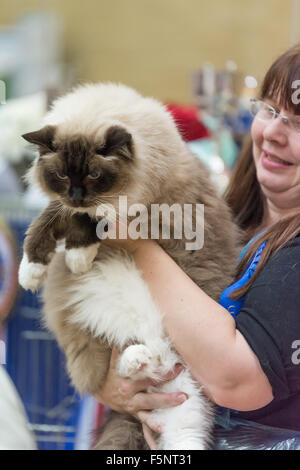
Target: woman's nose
point(276, 131)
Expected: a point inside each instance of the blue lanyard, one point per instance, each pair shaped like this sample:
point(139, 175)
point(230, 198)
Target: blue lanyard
point(234, 306)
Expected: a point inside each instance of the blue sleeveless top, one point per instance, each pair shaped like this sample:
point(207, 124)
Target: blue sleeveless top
point(234, 306)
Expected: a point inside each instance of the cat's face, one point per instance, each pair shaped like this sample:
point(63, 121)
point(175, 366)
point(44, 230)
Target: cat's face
point(79, 170)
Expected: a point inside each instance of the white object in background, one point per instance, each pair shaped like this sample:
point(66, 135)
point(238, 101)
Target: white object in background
point(40, 36)
point(10, 53)
point(17, 117)
point(251, 82)
point(209, 78)
point(249, 91)
point(34, 198)
point(9, 183)
point(14, 430)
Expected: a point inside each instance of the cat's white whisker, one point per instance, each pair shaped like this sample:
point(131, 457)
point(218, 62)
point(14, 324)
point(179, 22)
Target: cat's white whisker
point(57, 214)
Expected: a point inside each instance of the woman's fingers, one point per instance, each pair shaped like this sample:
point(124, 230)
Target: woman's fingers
point(114, 357)
point(127, 395)
point(171, 375)
point(130, 387)
point(152, 401)
point(145, 417)
point(149, 437)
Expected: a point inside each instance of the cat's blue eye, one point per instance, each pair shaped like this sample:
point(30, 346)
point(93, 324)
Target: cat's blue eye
point(61, 176)
point(94, 175)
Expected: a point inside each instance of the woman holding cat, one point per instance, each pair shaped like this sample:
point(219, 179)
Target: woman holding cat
point(246, 362)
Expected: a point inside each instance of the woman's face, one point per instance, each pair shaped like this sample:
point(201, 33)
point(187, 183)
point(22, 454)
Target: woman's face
point(276, 151)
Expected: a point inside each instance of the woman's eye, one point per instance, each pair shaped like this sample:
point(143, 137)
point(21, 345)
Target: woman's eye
point(94, 175)
point(268, 110)
point(61, 176)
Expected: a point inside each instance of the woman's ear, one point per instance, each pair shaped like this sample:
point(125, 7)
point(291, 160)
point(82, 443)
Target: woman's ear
point(43, 138)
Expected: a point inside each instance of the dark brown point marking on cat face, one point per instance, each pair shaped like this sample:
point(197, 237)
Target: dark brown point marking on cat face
point(118, 141)
point(44, 138)
point(70, 170)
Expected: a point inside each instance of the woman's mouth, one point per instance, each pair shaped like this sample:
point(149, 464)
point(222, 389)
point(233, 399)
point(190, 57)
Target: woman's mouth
point(272, 162)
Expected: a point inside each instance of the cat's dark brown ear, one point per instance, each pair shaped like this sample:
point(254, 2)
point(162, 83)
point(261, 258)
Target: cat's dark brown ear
point(43, 138)
point(119, 142)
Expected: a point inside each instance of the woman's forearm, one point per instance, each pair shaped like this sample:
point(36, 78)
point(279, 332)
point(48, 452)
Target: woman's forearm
point(202, 331)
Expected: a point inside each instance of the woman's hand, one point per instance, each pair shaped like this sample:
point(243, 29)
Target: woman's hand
point(131, 396)
point(149, 438)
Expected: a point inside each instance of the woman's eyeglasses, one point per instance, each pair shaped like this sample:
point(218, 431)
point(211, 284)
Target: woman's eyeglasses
point(266, 112)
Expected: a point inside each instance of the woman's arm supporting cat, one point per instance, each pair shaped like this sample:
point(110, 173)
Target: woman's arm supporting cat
point(203, 333)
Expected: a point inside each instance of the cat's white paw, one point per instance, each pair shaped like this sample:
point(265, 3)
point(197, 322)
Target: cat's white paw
point(134, 361)
point(80, 260)
point(31, 274)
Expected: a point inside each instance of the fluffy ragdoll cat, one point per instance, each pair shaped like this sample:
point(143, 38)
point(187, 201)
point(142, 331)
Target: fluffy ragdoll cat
point(99, 142)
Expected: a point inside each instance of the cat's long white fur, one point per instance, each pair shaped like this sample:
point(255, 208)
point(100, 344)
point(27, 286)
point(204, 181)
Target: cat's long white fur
point(113, 300)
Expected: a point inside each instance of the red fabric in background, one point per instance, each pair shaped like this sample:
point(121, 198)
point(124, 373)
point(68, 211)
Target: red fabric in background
point(187, 121)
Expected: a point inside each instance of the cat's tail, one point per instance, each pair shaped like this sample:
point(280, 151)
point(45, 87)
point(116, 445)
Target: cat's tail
point(121, 432)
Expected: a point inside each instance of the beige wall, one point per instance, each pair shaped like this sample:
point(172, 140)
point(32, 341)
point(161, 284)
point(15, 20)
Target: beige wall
point(154, 44)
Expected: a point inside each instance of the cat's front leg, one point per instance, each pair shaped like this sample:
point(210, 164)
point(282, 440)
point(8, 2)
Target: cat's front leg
point(39, 246)
point(31, 274)
point(82, 243)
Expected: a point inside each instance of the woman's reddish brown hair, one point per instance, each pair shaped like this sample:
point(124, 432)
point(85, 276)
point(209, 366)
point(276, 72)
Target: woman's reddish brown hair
point(244, 195)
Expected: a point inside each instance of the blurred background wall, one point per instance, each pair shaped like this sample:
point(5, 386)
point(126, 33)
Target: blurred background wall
point(154, 45)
